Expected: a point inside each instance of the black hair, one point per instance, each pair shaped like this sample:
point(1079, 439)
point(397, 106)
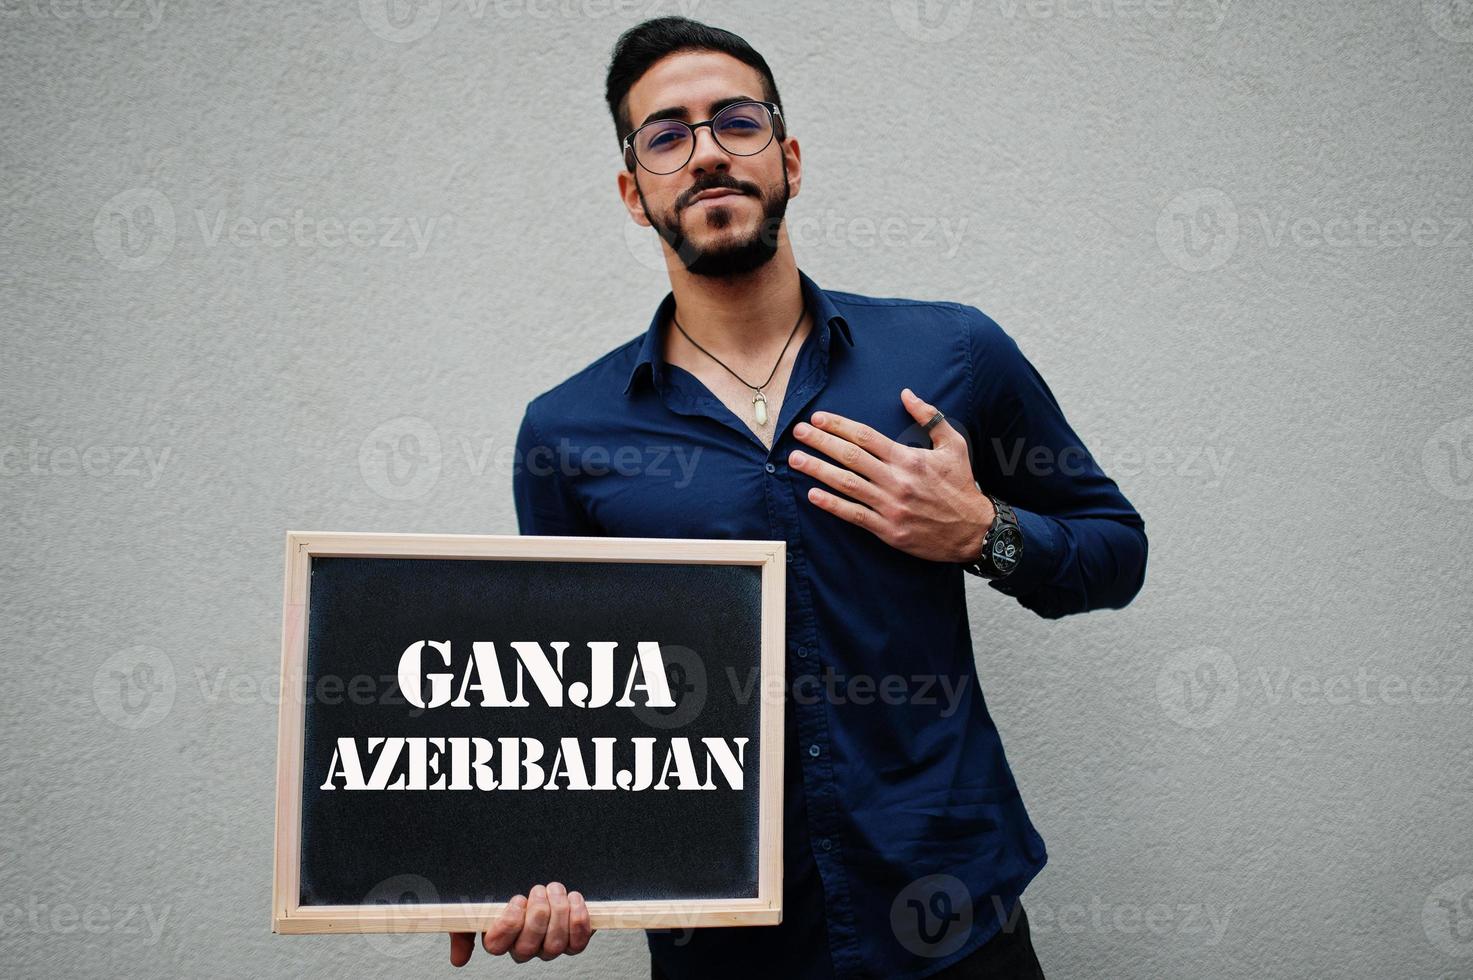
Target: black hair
point(644, 44)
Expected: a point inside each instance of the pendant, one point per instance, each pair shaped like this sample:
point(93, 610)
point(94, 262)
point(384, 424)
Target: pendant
point(759, 408)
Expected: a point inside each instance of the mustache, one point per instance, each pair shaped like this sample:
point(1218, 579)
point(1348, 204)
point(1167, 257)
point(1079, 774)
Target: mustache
point(728, 183)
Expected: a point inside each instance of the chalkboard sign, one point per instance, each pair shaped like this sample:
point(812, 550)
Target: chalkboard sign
point(466, 716)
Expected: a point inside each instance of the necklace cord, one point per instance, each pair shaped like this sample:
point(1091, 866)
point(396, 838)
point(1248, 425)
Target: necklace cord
point(757, 388)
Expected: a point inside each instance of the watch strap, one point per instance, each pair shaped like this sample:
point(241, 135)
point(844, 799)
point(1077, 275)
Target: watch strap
point(1004, 517)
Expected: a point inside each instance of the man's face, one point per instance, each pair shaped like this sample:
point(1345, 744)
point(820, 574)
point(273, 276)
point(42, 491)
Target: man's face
point(717, 236)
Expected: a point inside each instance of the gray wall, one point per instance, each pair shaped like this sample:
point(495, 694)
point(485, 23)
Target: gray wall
point(1234, 237)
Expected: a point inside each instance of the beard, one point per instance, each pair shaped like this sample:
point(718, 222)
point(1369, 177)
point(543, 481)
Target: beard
point(733, 257)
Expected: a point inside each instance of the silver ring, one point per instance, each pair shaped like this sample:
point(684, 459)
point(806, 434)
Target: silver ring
point(934, 419)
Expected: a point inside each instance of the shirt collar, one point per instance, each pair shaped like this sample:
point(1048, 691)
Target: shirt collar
point(649, 362)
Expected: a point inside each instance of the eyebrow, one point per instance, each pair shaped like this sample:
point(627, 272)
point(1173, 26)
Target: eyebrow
point(681, 112)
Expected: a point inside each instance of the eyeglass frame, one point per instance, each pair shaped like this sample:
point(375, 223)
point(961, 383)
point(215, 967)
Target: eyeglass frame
point(774, 110)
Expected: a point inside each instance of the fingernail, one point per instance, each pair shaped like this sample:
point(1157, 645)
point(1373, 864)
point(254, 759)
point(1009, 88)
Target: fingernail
point(801, 429)
point(797, 457)
point(556, 889)
point(820, 418)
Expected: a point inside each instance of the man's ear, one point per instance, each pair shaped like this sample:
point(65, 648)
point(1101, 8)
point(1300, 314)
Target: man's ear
point(793, 160)
point(629, 194)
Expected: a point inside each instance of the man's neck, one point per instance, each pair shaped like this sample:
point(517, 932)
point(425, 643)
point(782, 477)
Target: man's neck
point(741, 319)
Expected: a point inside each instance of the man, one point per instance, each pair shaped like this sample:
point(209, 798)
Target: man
point(895, 445)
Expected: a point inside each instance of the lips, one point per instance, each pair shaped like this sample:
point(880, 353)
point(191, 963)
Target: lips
point(715, 192)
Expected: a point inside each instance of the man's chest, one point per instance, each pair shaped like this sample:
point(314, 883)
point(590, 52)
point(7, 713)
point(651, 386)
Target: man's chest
point(691, 463)
point(758, 410)
point(755, 402)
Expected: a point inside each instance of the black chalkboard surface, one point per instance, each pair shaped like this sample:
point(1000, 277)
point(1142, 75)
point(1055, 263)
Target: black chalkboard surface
point(472, 715)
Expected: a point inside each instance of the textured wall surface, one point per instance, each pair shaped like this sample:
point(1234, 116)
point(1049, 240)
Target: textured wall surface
point(271, 266)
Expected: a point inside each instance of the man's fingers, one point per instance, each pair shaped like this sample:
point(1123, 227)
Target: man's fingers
point(505, 930)
point(462, 945)
point(539, 911)
point(845, 481)
point(556, 939)
point(870, 440)
point(828, 437)
point(923, 412)
point(857, 514)
point(579, 931)
point(547, 922)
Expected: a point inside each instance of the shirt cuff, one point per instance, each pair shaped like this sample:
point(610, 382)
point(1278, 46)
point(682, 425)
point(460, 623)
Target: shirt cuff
point(1040, 555)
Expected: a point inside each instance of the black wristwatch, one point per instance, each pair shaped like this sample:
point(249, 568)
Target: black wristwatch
point(1002, 547)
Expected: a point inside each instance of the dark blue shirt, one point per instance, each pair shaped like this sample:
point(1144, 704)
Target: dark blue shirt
point(905, 838)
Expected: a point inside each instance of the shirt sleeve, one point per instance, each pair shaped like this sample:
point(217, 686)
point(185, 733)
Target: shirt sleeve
point(545, 502)
point(1084, 545)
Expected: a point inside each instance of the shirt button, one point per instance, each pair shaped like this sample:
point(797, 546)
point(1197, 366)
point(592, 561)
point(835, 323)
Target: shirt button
point(813, 750)
point(790, 557)
point(770, 468)
point(826, 844)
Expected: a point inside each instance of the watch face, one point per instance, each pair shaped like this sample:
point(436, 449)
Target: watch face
point(1006, 549)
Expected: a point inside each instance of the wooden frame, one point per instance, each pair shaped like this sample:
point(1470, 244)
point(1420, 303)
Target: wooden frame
point(288, 916)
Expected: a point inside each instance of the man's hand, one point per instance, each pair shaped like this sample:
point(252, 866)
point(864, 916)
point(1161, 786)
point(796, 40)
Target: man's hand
point(921, 501)
point(549, 922)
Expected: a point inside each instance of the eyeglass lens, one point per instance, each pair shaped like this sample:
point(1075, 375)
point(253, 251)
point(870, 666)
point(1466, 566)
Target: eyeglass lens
point(665, 146)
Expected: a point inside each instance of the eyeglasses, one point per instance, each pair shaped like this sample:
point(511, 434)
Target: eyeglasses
point(666, 145)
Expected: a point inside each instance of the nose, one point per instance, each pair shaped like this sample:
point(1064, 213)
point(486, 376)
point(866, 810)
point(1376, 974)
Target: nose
point(707, 155)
